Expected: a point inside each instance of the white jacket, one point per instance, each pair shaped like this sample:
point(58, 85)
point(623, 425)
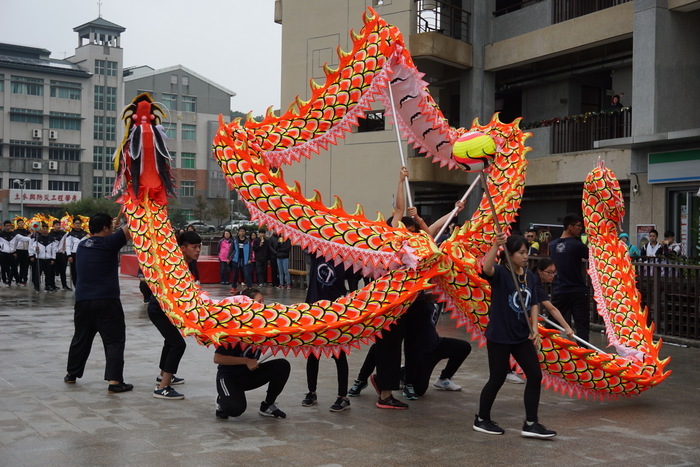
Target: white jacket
point(43, 247)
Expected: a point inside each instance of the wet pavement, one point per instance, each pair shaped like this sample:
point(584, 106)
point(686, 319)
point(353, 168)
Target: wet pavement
point(44, 421)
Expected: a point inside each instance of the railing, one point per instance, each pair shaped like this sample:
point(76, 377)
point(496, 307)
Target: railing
point(444, 18)
point(565, 10)
point(578, 132)
point(670, 290)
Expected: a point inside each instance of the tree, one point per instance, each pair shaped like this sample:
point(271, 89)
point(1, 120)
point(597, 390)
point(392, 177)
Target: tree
point(201, 208)
point(220, 210)
point(88, 207)
point(176, 214)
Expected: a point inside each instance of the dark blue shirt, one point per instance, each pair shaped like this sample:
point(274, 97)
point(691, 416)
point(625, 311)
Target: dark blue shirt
point(224, 371)
point(568, 255)
point(507, 320)
point(97, 265)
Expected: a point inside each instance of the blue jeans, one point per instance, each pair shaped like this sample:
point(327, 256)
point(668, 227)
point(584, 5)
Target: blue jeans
point(224, 272)
point(283, 271)
point(235, 267)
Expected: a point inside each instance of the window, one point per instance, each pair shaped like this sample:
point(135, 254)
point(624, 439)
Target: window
point(97, 186)
point(187, 189)
point(66, 90)
point(59, 185)
point(2, 82)
point(64, 121)
point(189, 103)
point(98, 159)
point(171, 131)
point(105, 67)
point(188, 160)
point(373, 121)
point(111, 98)
point(64, 152)
point(173, 159)
point(31, 185)
point(189, 132)
point(26, 116)
point(25, 149)
point(98, 131)
point(111, 128)
point(28, 86)
point(170, 101)
point(111, 68)
point(99, 97)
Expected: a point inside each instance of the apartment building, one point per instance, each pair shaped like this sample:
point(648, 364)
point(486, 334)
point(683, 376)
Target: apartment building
point(193, 104)
point(555, 63)
point(60, 122)
point(58, 119)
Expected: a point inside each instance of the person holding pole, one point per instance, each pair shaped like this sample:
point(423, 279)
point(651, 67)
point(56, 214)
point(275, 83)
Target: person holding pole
point(512, 330)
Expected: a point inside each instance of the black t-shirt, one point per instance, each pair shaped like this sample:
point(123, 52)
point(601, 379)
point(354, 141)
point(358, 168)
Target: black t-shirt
point(326, 281)
point(224, 371)
point(568, 254)
point(97, 265)
point(507, 320)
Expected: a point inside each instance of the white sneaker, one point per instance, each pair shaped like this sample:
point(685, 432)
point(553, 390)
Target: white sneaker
point(446, 385)
point(513, 378)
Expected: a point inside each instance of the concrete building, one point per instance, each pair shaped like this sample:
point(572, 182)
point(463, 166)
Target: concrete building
point(58, 120)
point(557, 64)
point(193, 105)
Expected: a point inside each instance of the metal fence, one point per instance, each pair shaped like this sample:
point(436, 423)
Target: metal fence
point(565, 10)
point(578, 132)
point(444, 18)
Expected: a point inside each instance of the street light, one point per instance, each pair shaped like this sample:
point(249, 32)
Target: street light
point(22, 185)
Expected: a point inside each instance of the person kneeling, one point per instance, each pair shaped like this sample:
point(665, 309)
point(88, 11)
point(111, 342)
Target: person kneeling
point(240, 370)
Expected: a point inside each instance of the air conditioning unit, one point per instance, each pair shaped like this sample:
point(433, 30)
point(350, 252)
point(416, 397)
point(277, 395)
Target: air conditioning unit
point(36, 165)
point(36, 133)
point(53, 165)
point(53, 134)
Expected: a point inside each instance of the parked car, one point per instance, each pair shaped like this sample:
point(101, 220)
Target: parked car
point(234, 225)
point(201, 226)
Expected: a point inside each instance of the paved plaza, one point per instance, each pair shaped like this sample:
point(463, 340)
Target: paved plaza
point(44, 421)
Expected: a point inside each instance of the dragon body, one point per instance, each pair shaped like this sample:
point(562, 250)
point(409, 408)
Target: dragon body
point(251, 155)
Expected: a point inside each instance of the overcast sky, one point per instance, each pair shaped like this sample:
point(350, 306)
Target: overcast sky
point(234, 43)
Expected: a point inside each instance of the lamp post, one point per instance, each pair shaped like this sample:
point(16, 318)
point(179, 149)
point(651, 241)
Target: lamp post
point(21, 184)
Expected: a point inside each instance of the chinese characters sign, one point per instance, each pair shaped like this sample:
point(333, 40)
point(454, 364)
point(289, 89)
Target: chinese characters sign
point(44, 197)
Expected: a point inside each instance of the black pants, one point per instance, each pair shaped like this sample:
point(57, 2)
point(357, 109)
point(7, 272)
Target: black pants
point(173, 345)
point(341, 364)
point(9, 268)
point(46, 268)
point(59, 266)
point(369, 364)
point(261, 266)
point(107, 318)
point(575, 305)
point(420, 365)
point(232, 389)
point(22, 265)
point(73, 270)
point(388, 357)
point(499, 366)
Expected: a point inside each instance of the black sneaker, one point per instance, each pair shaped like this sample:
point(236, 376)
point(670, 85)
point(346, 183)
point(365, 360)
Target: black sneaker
point(120, 387)
point(391, 403)
point(341, 404)
point(357, 388)
point(410, 393)
point(310, 399)
point(271, 410)
point(167, 393)
point(219, 411)
point(70, 379)
point(537, 431)
point(487, 426)
point(175, 380)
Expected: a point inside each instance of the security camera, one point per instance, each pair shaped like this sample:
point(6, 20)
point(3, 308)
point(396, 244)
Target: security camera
point(635, 190)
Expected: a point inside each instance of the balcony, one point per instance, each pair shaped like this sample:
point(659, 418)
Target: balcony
point(565, 10)
point(577, 133)
point(441, 39)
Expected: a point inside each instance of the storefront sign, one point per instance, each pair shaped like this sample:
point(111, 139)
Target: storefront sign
point(674, 166)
